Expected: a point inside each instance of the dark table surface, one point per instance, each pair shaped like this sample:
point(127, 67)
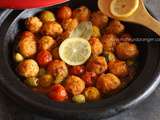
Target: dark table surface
point(148, 110)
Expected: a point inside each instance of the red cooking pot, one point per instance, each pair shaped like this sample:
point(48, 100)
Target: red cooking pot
point(20, 4)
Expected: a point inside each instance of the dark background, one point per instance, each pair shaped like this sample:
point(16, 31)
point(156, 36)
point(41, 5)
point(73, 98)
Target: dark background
point(148, 110)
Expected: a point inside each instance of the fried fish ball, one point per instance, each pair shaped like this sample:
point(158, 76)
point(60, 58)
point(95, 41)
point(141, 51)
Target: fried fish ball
point(96, 46)
point(27, 46)
point(58, 70)
point(64, 12)
point(126, 50)
point(46, 43)
point(82, 13)
point(99, 19)
point(115, 27)
point(118, 68)
point(108, 83)
point(51, 29)
point(109, 42)
point(47, 15)
point(33, 24)
point(97, 65)
point(74, 85)
point(28, 68)
point(92, 94)
point(70, 24)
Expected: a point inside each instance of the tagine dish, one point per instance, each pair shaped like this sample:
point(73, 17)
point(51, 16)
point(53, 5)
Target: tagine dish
point(75, 55)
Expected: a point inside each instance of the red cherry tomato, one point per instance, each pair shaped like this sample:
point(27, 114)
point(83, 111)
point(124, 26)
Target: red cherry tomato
point(44, 57)
point(89, 77)
point(27, 34)
point(64, 13)
point(77, 70)
point(58, 93)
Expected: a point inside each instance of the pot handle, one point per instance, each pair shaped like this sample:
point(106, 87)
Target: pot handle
point(19, 4)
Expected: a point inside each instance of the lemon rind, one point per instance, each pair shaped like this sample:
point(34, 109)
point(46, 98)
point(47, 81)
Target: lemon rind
point(129, 13)
point(69, 62)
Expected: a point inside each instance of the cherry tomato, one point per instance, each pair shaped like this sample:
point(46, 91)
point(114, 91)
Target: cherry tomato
point(27, 34)
point(89, 77)
point(77, 70)
point(58, 93)
point(44, 57)
point(64, 13)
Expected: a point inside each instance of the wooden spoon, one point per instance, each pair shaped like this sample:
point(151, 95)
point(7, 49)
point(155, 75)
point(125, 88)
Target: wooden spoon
point(141, 16)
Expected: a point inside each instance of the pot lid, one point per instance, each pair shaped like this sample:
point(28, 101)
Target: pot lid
point(20, 4)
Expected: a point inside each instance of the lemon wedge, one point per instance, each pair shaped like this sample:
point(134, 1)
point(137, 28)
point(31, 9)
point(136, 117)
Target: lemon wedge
point(83, 30)
point(75, 51)
point(123, 8)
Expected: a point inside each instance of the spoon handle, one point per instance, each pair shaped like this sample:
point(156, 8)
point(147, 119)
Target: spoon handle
point(152, 23)
point(144, 18)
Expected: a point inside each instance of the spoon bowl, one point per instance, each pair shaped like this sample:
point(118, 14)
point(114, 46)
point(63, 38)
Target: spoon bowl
point(140, 16)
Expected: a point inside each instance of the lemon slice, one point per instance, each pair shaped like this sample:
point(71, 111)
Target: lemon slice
point(75, 51)
point(83, 30)
point(123, 8)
